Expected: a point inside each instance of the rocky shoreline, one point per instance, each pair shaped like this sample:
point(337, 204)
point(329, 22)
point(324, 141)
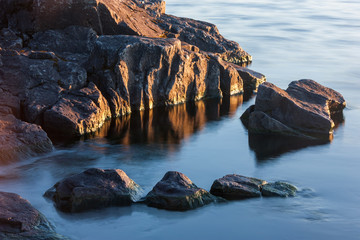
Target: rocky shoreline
point(104, 59)
point(66, 67)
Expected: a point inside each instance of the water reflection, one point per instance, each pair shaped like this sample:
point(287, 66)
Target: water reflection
point(161, 125)
point(170, 125)
point(270, 146)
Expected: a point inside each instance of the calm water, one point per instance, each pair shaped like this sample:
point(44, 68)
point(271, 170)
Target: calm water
point(288, 40)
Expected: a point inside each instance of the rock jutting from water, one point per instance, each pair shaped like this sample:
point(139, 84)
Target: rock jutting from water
point(305, 109)
point(177, 192)
point(68, 66)
point(92, 189)
point(237, 187)
point(19, 220)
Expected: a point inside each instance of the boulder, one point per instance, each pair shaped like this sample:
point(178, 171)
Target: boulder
point(20, 220)
point(177, 192)
point(235, 186)
point(20, 139)
point(306, 109)
point(92, 189)
point(77, 113)
point(278, 189)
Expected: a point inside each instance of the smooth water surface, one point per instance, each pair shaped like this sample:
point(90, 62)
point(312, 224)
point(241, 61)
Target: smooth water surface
point(289, 40)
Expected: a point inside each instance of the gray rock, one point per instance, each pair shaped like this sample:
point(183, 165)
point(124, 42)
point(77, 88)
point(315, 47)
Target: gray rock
point(235, 186)
point(278, 189)
point(65, 42)
point(9, 39)
point(77, 113)
point(21, 221)
point(177, 192)
point(92, 189)
point(153, 7)
point(20, 139)
point(306, 109)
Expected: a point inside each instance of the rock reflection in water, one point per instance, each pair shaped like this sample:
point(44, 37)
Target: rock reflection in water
point(271, 146)
point(170, 125)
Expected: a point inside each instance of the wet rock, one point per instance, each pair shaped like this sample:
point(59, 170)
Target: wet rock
point(94, 188)
point(203, 35)
point(77, 113)
point(305, 109)
point(278, 189)
point(177, 192)
point(235, 186)
point(20, 220)
point(20, 139)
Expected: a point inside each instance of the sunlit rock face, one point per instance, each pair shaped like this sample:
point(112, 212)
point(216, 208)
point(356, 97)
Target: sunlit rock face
point(20, 220)
point(145, 72)
point(53, 52)
point(94, 188)
point(305, 109)
point(177, 192)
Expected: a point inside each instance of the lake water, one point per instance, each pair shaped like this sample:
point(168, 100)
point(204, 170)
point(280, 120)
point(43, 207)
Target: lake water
point(289, 40)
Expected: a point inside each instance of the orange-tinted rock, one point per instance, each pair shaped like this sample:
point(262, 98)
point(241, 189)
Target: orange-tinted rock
point(305, 108)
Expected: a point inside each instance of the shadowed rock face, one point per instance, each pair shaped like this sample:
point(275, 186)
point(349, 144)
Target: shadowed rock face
point(20, 220)
point(94, 188)
point(104, 16)
point(177, 192)
point(20, 139)
point(235, 186)
point(305, 109)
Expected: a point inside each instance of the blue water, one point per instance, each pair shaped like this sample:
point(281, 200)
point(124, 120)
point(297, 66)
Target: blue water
point(288, 40)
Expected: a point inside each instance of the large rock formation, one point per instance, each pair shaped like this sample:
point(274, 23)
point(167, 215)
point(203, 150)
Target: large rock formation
point(305, 109)
point(19, 220)
point(71, 65)
point(94, 188)
point(177, 192)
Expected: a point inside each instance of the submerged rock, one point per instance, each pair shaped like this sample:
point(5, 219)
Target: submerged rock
point(235, 186)
point(305, 109)
point(19, 220)
point(177, 192)
point(278, 189)
point(94, 188)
